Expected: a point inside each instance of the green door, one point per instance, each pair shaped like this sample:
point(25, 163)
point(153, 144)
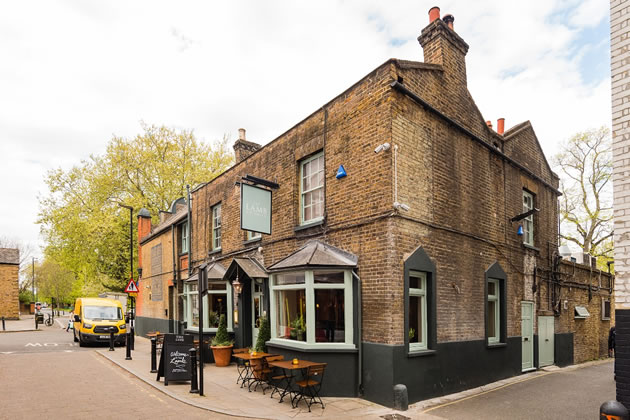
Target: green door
point(527, 335)
point(545, 340)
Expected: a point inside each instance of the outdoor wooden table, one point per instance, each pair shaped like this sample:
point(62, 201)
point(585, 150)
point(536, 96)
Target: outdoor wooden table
point(249, 357)
point(291, 367)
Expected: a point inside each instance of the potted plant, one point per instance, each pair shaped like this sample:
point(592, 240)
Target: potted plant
point(412, 333)
point(298, 329)
point(221, 344)
point(264, 335)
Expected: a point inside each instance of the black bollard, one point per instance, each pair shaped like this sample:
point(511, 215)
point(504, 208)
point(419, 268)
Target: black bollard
point(111, 339)
point(128, 357)
point(3, 326)
point(194, 389)
point(35, 321)
point(153, 354)
point(613, 410)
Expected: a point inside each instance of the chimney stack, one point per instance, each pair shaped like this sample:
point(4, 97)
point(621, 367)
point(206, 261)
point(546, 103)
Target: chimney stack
point(500, 125)
point(489, 124)
point(449, 20)
point(244, 148)
point(434, 13)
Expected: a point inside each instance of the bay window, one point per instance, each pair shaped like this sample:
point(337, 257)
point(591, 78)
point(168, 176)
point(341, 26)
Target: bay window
point(217, 302)
point(311, 309)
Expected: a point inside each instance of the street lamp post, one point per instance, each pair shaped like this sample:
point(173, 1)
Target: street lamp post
point(131, 306)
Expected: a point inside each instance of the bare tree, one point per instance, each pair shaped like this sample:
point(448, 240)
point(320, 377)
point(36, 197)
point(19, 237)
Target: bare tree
point(585, 168)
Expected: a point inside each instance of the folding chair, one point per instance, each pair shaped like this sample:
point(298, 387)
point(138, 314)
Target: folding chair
point(275, 380)
point(261, 371)
point(309, 388)
point(242, 366)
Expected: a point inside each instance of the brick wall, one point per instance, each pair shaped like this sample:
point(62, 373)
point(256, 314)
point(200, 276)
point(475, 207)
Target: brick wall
point(153, 296)
point(9, 291)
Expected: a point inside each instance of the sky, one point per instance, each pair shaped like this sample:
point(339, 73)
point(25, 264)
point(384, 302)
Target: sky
point(75, 73)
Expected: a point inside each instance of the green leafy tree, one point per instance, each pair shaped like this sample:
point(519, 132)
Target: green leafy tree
point(54, 281)
point(585, 168)
point(86, 230)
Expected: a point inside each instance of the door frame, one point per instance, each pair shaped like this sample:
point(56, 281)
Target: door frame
point(529, 339)
point(261, 297)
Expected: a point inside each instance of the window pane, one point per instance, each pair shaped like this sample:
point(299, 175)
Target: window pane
point(194, 304)
point(217, 306)
point(289, 278)
point(491, 288)
point(492, 310)
point(291, 314)
point(192, 286)
point(307, 213)
point(307, 199)
point(318, 211)
point(329, 316)
point(416, 282)
point(329, 277)
point(415, 319)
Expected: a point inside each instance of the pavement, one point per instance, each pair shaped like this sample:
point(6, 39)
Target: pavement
point(223, 397)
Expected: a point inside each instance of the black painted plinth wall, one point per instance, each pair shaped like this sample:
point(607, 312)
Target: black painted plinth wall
point(622, 355)
point(453, 367)
point(145, 324)
point(563, 349)
point(340, 376)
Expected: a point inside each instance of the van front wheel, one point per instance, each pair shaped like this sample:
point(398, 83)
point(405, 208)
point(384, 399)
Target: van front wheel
point(81, 342)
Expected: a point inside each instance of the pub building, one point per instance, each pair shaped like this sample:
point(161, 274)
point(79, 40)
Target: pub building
point(393, 234)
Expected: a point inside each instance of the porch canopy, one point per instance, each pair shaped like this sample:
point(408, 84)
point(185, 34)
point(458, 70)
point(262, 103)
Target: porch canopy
point(316, 254)
point(250, 266)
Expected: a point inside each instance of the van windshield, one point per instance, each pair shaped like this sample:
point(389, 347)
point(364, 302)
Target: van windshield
point(102, 312)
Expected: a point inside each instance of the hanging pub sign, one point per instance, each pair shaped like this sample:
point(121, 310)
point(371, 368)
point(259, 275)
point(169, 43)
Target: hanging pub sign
point(255, 209)
point(175, 358)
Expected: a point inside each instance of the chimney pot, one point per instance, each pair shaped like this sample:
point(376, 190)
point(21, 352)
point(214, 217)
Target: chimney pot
point(500, 125)
point(489, 124)
point(449, 20)
point(241, 134)
point(434, 13)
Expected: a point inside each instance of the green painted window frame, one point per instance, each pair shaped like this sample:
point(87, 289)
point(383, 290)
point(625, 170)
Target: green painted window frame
point(309, 286)
point(253, 235)
point(303, 220)
point(190, 294)
point(216, 227)
point(422, 294)
point(528, 222)
point(494, 337)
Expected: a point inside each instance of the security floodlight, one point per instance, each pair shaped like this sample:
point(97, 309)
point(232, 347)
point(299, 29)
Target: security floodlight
point(384, 146)
point(401, 206)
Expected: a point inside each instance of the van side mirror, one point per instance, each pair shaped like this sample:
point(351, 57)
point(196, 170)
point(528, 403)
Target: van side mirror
point(77, 319)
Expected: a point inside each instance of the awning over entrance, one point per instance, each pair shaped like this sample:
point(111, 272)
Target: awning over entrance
point(215, 272)
point(252, 268)
point(316, 254)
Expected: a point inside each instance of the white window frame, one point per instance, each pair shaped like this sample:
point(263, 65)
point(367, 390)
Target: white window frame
point(253, 235)
point(303, 193)
point(310, 286)
point(422, 294)
point(528, 222)
point(216, 227)
point(184, 237)
point(188, 295)
point(495, 336)
point(604, 302)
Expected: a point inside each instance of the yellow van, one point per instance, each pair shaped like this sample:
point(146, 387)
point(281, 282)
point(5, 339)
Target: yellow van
point(94, 318)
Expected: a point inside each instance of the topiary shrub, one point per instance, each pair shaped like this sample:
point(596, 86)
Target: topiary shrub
point(222, 338)
point(264, 334)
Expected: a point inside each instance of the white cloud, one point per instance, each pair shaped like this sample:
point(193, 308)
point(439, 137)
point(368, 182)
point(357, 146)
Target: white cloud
point(76, 72)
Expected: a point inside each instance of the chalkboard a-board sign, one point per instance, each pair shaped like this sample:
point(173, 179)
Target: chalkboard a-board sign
point(175, 358)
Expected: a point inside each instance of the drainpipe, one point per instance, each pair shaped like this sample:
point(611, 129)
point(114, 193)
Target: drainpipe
point(189, 227)
point(173, 246)
point(360, 358)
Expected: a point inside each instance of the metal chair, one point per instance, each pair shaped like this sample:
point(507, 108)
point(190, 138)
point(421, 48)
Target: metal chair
point(309, 388)
point(275, 381)
point(261, 371)
point(242, 366)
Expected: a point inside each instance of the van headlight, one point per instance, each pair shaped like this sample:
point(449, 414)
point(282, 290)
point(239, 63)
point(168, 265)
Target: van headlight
point(87, 326)
point(122, 327)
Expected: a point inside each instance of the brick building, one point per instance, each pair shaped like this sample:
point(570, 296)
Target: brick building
point(432, 263)
point(620, 92)
point(9, 283)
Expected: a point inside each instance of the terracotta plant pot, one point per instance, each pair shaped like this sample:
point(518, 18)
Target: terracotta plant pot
point(222, 355)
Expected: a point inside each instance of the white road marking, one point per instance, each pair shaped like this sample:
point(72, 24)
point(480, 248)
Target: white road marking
point(33, 345)
point(7, 352)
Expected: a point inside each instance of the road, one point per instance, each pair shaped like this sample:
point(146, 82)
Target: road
point(568, 394)
point(45, 374)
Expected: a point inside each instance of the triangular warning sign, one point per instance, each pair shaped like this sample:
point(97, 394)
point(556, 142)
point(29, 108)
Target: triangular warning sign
point(131, 287)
